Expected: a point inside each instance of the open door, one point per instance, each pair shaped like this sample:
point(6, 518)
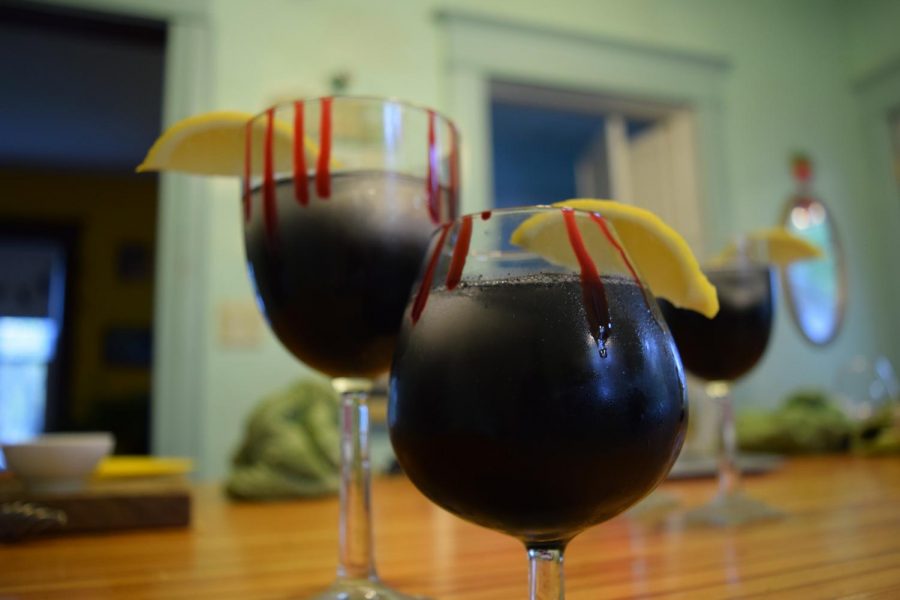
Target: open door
point(654, 167)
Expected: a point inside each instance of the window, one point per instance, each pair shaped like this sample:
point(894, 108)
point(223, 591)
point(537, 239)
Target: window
point(32, 290)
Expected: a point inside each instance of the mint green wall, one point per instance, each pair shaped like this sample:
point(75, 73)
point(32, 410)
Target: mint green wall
point(874, 56)
point(789, 88)
point(873, 34)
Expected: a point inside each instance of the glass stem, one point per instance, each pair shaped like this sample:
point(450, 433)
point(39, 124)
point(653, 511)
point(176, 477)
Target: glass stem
point(545, 574)
point(356, 556)
point(729, 473)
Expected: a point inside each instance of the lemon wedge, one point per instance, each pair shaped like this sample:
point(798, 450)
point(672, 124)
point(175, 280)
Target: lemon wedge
point(662, 257)
point(776, 245)
point(214, 143)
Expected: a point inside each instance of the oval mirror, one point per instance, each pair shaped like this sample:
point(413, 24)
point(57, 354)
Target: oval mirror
point(816, 290)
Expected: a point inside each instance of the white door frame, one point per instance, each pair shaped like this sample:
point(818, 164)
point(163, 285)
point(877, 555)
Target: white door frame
point(479, 49)
point(180, 321)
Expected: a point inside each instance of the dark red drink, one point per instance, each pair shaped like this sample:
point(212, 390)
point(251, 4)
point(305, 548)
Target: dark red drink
point(504, 412)
point(730, 344)
point(333, 276)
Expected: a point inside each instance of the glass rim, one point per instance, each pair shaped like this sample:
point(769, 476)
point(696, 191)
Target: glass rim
point(361, 98)
point(517, 253)
point(526, 209)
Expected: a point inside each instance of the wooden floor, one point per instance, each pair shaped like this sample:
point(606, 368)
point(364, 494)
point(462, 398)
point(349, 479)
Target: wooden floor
point(841, 539)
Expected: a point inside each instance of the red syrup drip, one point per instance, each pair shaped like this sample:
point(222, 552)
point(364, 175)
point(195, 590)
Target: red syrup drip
point(454, 171)
point(485, 215)
point(301, 191)
point(592, 291)
point(248, 147)
point(269, 207)
point(323, 174)
point(460, 252)
point(432, 182)
point(425, 285)
point(601, 221)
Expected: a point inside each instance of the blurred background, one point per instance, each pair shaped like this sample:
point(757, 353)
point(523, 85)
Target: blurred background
point(124, 299)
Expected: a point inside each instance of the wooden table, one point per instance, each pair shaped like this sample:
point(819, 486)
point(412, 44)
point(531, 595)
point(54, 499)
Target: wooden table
point(840, 540)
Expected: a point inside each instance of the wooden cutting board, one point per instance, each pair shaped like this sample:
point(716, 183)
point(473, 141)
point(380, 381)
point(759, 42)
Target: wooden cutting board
point(106, 506)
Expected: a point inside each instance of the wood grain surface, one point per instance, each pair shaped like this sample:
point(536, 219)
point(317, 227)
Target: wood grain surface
point(841, 539)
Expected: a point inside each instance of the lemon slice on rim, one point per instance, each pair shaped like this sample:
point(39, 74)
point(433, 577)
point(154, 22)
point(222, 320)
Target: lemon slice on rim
point(662, 257)
point(214, 143)
point(777, 245)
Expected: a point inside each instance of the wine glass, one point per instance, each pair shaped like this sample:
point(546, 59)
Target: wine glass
point(720, 351)
point(532, 398)
point(335, 230)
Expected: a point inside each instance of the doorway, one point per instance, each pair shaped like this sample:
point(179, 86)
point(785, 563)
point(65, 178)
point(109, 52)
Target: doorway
point(83, 102)
point(551, 143)
point(681, 92)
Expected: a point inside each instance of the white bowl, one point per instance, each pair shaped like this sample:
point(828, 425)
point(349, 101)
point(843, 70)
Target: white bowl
point(57, 462)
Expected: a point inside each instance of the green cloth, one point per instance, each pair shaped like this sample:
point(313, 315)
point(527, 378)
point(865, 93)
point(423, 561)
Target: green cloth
point(291, 445)
point(810, 422)
point(880, 434)
point(807, 422)
point(886, 442)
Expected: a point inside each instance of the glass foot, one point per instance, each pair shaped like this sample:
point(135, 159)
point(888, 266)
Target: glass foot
point(362, 589)
point(732, 509)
